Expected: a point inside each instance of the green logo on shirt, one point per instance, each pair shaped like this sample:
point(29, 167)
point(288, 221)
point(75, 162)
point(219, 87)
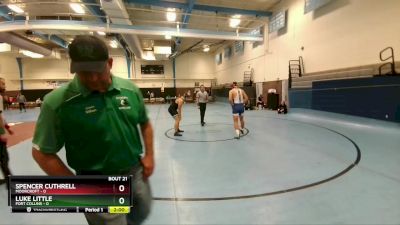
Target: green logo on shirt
point(123, 102)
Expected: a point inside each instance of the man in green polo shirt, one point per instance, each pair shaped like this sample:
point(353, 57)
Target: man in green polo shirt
point(95, 116)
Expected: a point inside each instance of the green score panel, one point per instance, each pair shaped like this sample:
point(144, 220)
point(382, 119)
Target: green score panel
point(71, 200)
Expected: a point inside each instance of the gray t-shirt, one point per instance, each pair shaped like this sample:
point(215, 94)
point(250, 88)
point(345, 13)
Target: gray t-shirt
point(21, 99)
point(202, 97)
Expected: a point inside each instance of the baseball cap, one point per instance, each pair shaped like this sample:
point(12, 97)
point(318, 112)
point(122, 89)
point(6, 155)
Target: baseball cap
point(88, 53)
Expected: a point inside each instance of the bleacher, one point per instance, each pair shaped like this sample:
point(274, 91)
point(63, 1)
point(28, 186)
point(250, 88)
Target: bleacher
point(306, 80)
point(15, 105)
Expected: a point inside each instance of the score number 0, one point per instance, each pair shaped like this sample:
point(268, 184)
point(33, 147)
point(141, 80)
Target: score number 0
point(121, 188)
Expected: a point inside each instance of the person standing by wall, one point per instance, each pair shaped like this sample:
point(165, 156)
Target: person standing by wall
point(10, 101)
point(21, 101)
point(202, 99)
point(38, 102)
point(4, 158)
point(238, 98)
point(148, 95)
point(5, 101)
point(97, 117)
point(152, 100)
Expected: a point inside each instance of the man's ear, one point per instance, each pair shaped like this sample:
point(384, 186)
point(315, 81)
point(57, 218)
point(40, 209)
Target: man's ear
point(110, 62)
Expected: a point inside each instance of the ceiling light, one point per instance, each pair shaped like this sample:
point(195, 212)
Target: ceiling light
point(148, 55)
point(15, 8)
point(168, 37)
point(162, 50)
point(114, 44)
point(171, 15)
point(4, 47)
point(31, 54)
point(206, 48)
point(101, 33)
point(77, 8)
point(234, 21)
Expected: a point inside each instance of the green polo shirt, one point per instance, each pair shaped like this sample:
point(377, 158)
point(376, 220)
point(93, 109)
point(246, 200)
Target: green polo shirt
point(99, 130)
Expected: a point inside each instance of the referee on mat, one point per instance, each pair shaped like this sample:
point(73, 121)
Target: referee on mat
point(202, 99)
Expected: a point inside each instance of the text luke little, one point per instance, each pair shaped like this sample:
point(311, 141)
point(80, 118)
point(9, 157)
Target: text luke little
point(33, 198)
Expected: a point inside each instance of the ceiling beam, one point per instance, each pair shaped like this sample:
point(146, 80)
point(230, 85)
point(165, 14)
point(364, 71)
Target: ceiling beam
point(24, 43)
point(125, 29)
point(95, 10)
point(117, 13)
point(185, 21)
point(232, 10)
point(4, 12)
point(188, 11)
point(209, 8)
point(7, 15)
point(102, 17)
point(54, 38)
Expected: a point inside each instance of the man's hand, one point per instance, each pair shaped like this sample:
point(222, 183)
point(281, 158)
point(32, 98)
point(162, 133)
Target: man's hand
point(11, 132)
point(51, 164)
point(148, 165)
point(3, 138)
point(148, 159)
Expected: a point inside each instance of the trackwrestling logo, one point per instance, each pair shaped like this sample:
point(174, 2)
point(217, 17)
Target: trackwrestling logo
point(123, 102)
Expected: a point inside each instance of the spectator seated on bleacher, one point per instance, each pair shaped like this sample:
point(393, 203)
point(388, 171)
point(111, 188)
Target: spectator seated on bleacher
point(189, 99)
point(260, 102)
point(38, 102)
point(160, 100)
point(152, 97)
point(282, 108)
point(248, 106)
point(154, 100)
point(15, 105)
point(169, 99)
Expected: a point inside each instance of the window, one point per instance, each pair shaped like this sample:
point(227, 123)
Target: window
point(258, 31)
point(277, 22)
point(239, 46)
point(152, 69)
point(218, 58)
point(311, 5)
point(228, 52)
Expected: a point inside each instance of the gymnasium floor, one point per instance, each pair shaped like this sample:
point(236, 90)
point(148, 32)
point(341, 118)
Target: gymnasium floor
point(307, 167)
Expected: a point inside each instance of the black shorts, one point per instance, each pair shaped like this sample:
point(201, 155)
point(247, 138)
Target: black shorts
point(3, 153)
point(173, 113)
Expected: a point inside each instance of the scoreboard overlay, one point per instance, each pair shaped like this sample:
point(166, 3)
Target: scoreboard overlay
point(71, 194)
